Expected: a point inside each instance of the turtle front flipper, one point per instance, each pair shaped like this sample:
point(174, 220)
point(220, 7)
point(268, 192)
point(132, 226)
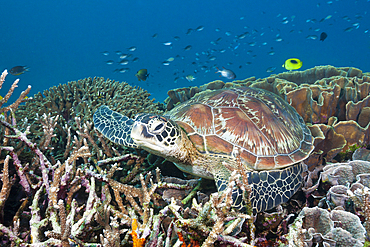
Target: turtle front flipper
point(269, 188)
point(116, 127)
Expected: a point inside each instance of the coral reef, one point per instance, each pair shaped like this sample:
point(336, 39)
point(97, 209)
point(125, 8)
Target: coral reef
point(63, 184)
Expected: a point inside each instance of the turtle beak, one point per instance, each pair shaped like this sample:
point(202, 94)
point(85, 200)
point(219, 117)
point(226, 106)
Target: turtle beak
point(147, 141)
point(143, 138)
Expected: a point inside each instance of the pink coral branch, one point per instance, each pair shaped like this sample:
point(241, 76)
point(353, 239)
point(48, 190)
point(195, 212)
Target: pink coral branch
point(20, 170)
point(44, 162)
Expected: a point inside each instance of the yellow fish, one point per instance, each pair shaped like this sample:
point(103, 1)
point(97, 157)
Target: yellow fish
point(292, 64)
point(142, 74)
point(190, 78)
point(1, 97)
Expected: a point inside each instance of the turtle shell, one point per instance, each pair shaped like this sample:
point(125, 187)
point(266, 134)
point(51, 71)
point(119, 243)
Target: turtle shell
point(252, 124)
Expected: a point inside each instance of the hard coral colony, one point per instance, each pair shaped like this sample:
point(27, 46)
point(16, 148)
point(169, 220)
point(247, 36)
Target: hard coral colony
point(63, 184)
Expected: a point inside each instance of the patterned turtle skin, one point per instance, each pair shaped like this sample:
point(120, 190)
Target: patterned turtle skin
point(217, 132)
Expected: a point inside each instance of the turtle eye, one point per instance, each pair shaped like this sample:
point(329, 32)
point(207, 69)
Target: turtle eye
point(156, 126)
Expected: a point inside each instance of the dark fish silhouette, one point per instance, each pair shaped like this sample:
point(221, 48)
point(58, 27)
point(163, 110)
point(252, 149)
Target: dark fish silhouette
point(323, 36)
point(18, 70)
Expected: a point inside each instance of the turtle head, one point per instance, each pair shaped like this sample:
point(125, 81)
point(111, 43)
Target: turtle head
point(158, 135)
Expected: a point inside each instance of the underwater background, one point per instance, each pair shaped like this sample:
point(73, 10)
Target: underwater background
point(63, 41)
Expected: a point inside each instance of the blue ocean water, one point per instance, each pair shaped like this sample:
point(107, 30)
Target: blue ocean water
point(65, 41)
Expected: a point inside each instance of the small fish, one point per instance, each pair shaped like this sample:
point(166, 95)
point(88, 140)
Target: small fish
point(170, 59)
point(270, 69)
point(190, 30)
point(18, 70)
point(105, 53)
point(123, 62)
point(346, 18)
point(348, 29)
point(176, 38)
point(200, 28)
point(190, 78)
point(323, 36)
point(278, 39)
point(187, 48)
point(123, 56)
point(132, 48)
point(142, 75)
point(271, 53)
point(226, 73)
point(312, 37)
point(123, 70)
point(167, 43)
point(99, 94)
point(155, 35)
point(166, 63)
point(292, 64)
point(135, 59)
point(242, 36)
point(228, 33)
point(252, 43)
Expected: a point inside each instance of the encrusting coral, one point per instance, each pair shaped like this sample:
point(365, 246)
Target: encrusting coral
point(68, 186)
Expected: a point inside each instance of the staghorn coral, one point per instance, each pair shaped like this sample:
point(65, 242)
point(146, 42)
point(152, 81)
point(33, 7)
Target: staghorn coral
point(80, 99)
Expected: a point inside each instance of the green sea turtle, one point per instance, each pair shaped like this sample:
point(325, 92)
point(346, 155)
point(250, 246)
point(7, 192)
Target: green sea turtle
point(207, 136)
